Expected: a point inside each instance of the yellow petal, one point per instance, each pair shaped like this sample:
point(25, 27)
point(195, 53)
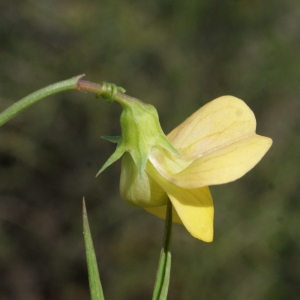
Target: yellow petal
point(214, 125)
point(168, 161)
point(194, 207)
point(223, 165)
point(160, 212)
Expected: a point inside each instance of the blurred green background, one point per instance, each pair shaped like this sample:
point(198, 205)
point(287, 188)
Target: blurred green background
point(176, 55)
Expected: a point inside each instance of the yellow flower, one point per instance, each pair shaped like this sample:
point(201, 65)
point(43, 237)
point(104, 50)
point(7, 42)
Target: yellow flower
point(216, 145)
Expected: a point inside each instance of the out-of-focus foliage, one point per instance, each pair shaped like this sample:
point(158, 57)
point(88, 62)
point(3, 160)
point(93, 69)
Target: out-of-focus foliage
point(176, 55)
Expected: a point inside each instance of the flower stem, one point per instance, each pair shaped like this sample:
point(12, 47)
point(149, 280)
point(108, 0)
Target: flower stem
point(13, 110)
point(99, 89)
point(164, 267)
point(75, 83)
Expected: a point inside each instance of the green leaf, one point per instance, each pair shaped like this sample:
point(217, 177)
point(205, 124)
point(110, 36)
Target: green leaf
point(164, 267)
point(94, 278)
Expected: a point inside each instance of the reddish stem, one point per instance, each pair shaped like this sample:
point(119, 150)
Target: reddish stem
point(84, 85)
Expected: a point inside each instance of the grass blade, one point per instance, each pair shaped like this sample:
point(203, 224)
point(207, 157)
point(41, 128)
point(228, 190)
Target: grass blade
point(94, 278)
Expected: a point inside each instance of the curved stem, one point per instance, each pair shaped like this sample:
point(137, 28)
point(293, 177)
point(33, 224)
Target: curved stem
point(9, 113)
point(96, 88)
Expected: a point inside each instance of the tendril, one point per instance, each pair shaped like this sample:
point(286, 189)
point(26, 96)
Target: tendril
point(109, 91)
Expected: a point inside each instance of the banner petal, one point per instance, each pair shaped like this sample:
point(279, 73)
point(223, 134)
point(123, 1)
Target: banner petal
point(223, 165)
point(216, 124)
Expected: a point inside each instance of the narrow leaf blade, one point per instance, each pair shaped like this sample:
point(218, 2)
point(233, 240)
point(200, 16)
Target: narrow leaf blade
point(94, 278)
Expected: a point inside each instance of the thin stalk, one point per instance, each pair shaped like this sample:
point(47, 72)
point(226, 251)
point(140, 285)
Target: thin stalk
point(74, 83)
point(97, 88)
point(164, 267)
point(13, 110)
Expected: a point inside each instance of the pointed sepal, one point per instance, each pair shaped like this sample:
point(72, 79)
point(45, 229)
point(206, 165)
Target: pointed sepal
point(112, 139)
point(114, 157)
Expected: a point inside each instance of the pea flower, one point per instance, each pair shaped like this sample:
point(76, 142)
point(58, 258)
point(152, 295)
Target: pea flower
point(215, 145)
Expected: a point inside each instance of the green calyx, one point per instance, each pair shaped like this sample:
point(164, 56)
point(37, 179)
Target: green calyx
point(141, 131)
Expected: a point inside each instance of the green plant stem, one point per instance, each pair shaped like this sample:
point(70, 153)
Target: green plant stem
point(74, 83)
point(96, 88)
point(164, 267)
point(9, 113)
point(94, 278)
